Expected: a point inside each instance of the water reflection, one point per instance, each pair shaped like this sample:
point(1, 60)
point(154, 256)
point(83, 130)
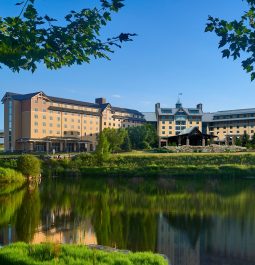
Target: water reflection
point(192, 222)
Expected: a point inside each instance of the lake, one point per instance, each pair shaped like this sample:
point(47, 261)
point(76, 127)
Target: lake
point(193, 221)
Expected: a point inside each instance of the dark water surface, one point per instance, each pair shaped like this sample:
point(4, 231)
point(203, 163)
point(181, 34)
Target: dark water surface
point(193, 222)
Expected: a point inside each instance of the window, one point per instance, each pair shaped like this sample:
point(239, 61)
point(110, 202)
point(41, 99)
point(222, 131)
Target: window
point(44, 123)
point(163, 122)
point(58, 118)
point(51, 124)
point(36, 123)
point(36, 116)
point(44, 117)
point(36, 130)
point(51, 118)
point(35, 101)
point(44, 110)
point(91, 134)
point(44, 131)
point(91, 122)
point(58, 125)
point(85, 121)
point(72, 120)
point(65, 126)
point(197, 122)
point(79, 121)
point(84, 127)
point(50, 132)
point(163, 132)
point(163, 127)
point(36, 109)
point(44, 102)
point(58, 132)
point(170, 127)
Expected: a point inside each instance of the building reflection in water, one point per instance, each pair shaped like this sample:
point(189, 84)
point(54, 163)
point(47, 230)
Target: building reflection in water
point(220, 242)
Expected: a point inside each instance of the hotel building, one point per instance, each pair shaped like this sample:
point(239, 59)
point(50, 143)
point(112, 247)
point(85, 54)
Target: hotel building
point(224, 126)
point(38, 122)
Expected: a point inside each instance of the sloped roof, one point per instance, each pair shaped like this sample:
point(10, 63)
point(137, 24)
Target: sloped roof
point(236, 111)
point(16, 96)
point(188, 130)
point(207, 117)
point(131, 111)
point(150, 116)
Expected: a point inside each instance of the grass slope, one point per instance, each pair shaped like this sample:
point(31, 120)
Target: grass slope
point(49, 254)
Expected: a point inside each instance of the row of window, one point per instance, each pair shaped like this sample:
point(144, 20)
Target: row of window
point(238, 132)
point(65, 119)
point(65, 126)
point(234, 116)
point(181, 122)
point(233, 127)
point(50, 132)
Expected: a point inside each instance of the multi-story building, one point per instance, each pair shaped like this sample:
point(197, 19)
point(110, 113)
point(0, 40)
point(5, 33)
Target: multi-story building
point(172, 121)
point(230, 124)
point(224, 126)
point(38, 122)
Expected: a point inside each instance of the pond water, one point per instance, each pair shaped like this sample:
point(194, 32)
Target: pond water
point(193, 222)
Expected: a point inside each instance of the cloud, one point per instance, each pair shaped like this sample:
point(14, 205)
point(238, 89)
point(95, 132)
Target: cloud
point(116, 96)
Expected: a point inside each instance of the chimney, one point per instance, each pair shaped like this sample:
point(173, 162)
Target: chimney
point(157, 106)
point(100, 101)
point(200, 106)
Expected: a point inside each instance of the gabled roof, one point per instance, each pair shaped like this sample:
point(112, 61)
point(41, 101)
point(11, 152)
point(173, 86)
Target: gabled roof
point(16, 96)
point(173, 111)
point(189, 130)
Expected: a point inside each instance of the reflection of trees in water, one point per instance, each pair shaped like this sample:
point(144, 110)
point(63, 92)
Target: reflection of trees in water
point(9, 204)
point(191, 226)
point(28, 216)
point(123, 229)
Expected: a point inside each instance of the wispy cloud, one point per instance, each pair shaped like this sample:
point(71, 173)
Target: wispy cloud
point(116, 96)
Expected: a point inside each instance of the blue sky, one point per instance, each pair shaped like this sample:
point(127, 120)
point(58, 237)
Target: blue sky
point(172, 54)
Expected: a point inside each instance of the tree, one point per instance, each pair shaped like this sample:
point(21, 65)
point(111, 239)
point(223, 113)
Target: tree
point(30, 38)
point(238, 142)
point(143, 137)
point(102, 151)
point(126, 145)
point(115, 138)
point(29, 165)
point(245, 139)
point(253, 139)
point(237, 37)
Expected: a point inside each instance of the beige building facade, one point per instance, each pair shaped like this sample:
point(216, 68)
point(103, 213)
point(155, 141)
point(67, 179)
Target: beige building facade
point(38, 122)
point(224, 126)
point(172, 121)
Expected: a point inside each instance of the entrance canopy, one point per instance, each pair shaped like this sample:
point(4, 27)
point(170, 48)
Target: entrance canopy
point(191, 136)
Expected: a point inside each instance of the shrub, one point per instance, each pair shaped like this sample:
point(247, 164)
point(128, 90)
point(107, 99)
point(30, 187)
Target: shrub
point(8, 175)
point(29, 165)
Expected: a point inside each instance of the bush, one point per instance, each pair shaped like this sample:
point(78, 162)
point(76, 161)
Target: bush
point(21, 253)
point(8, 175)
point(29, 165)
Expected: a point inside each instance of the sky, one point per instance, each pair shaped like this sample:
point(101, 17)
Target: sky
point(171, 54)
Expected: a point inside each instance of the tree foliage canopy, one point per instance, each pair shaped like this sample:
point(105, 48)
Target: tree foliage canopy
point(30, 38)
point(237, 38)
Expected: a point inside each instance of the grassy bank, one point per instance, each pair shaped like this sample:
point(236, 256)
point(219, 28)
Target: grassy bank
point(46, 254)
point(156, 165)
point(8, 175)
